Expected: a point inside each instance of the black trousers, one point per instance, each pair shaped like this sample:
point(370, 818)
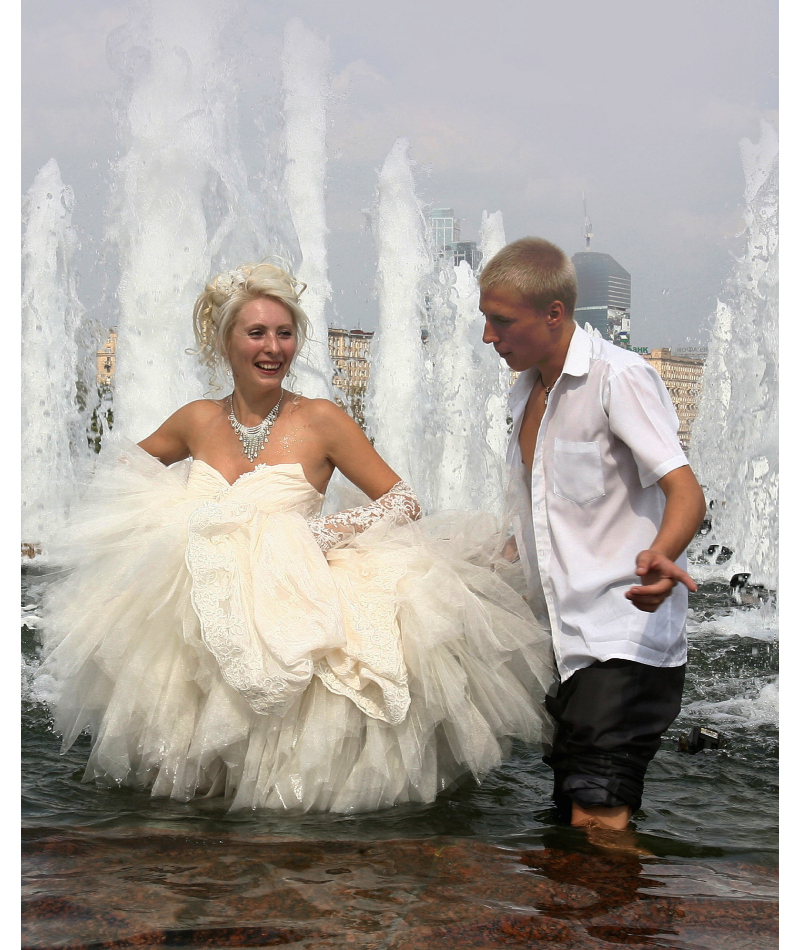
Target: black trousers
point(610, 718)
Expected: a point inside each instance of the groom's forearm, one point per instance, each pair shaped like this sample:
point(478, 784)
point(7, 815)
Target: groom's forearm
point(684, 511)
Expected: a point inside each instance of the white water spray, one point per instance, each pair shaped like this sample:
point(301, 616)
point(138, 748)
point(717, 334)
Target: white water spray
point(306, 87)
point(395, 403)
point(492, 238)
point(465, 388)
point(181, 209)
point(57, 373)
point(735, 435)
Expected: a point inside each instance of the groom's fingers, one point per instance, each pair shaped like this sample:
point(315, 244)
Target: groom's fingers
point(650, 596)
point(655, 564)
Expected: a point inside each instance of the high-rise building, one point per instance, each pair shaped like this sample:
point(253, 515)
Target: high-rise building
point(445, 230)
point(466, 251)
point(604, 295)
point(446, 233)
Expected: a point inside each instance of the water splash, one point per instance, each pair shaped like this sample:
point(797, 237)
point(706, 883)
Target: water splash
point(756, 706)
point(468, 398)
point(492, 238)
point(735, 435)
point(727, 619)
point(306, 88)
point(437, 410)
point(395, 405)
point(492, 235)
point(181, 206)
point(57, 372)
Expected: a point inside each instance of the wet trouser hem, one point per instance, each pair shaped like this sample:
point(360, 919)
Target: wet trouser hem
point(609, 718)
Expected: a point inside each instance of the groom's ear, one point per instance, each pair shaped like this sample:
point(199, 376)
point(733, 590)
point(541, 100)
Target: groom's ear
point(556, 314)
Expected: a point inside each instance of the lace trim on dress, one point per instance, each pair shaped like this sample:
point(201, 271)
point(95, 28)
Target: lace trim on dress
point(250, 574)
point(400, 504)
point(266, 653)
point(371, 669)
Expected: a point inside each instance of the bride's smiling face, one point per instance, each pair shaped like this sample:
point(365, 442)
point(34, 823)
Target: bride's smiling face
point(262, 343)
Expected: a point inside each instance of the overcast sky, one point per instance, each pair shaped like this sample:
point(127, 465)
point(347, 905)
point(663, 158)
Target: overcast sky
point(518, 106)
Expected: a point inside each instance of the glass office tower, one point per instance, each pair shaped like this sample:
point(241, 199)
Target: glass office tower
point(604, 295)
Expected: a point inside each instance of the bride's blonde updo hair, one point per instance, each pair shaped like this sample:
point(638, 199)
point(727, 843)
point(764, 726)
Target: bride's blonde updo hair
point(219, 305)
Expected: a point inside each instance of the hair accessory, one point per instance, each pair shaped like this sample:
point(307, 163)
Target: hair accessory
point(229, 281)
point(254, 438)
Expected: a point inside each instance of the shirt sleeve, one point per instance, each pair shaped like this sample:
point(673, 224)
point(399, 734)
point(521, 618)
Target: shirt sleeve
point(641, 414)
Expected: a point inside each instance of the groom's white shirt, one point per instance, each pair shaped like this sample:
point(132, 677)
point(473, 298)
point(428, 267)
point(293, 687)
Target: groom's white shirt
point(592, 503)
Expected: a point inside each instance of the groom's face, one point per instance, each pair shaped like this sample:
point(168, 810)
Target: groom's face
point(518, 332)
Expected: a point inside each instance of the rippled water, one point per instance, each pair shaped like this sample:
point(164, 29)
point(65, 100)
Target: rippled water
point(721, 802)
point(484, 866)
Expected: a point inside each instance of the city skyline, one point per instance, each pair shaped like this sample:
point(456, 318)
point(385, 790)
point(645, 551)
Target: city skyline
point(657, 158)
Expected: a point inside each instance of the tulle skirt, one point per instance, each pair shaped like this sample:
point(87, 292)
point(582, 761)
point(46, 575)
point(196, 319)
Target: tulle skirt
point(126, 659)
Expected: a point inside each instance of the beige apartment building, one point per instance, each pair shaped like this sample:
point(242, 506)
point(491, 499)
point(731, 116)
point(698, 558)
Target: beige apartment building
point(349, 351)
point(683, 376)
point(107, 361)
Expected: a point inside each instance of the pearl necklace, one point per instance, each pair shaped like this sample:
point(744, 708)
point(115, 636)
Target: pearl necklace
point(254, 438)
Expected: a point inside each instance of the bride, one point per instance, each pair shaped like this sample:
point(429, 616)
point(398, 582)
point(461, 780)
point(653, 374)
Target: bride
point(217, 636)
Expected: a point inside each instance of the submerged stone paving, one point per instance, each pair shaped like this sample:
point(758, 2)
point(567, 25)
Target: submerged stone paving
point(90, 890)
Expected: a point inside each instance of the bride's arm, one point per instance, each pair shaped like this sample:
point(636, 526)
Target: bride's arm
point(342, 444)
point(352, 453)
point(398, 504)
point(170, 442)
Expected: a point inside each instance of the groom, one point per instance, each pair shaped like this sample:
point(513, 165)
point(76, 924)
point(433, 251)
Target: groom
point(606, 506)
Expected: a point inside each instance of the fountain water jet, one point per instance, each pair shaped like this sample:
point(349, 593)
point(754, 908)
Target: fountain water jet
point(57, 372)
point(492, 235)
point(735, 435)
point(468, 398)
point(181, 205)
point(437, 410)
point(492, 238)
point(306, 87)
point(394, 410)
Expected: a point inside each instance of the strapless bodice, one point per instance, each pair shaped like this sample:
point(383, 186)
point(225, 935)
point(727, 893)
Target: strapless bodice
point(271, 488)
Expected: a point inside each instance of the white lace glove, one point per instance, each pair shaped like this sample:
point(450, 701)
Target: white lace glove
point(399, 503)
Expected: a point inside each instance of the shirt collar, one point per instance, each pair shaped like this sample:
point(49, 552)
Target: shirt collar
point(579, 354)
point(577, 363)
point(522, 387)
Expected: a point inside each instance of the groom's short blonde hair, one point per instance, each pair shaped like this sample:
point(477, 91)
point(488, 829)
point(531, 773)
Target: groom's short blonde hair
point(537, 270)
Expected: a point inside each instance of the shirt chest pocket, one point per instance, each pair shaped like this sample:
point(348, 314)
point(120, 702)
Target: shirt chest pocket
point(578, 471)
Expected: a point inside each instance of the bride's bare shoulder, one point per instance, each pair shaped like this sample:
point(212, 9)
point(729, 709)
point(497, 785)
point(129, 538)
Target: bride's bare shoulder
point(197, 414)
point(204, 408)
point(317, 411)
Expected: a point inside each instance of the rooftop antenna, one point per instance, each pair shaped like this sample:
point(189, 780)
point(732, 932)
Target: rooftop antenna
point(587, 224)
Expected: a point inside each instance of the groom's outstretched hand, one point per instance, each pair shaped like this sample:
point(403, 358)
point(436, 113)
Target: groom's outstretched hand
point(659, 575)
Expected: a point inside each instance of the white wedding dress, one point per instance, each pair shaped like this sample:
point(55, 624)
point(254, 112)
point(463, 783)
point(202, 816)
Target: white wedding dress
point(209, 646)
